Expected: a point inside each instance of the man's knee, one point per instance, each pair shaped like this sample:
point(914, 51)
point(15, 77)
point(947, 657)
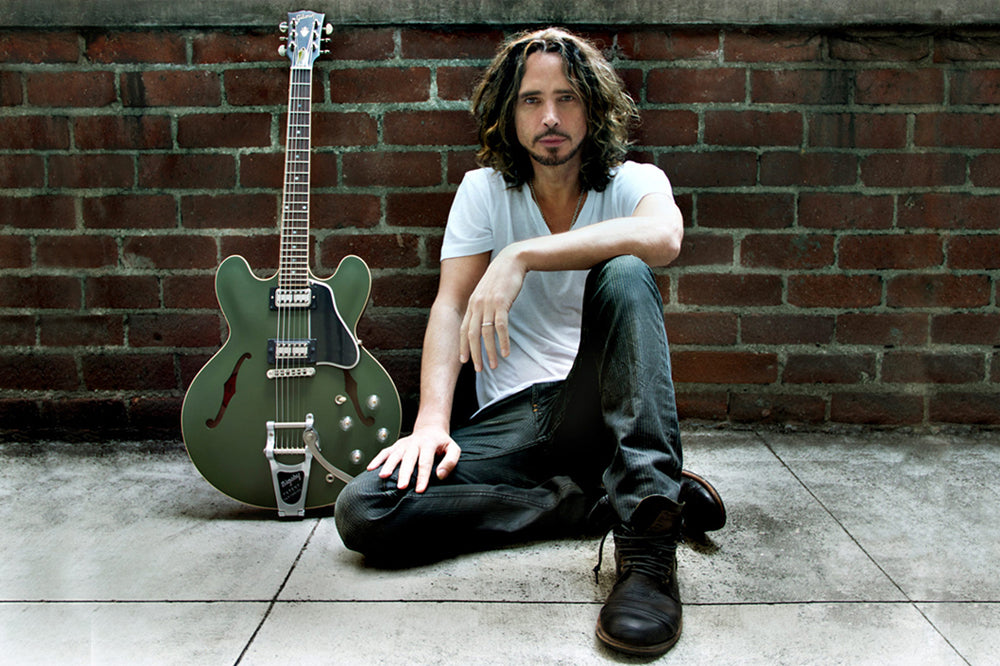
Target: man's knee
point(354, 513)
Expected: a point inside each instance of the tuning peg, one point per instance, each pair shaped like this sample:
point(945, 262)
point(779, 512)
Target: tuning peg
point(282, 50)
point(328, 28)
point(283, 26)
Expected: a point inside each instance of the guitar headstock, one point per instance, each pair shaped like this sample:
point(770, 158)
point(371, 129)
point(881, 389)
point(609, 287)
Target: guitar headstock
point(304, 37)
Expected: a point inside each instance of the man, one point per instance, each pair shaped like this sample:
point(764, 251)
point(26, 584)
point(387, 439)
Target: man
point(546, 289)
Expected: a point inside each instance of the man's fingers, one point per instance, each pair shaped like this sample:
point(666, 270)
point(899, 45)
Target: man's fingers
point(449, 460)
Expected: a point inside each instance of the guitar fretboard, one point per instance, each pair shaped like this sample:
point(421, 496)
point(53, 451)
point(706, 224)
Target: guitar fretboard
point(293, 270)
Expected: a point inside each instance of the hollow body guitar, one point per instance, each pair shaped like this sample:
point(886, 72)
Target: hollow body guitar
point(292, 406)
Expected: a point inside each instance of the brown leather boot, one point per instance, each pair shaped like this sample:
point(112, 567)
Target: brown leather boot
point(642, 615)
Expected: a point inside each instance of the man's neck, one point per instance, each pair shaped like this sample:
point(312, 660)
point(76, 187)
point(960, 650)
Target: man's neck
point(557, 192)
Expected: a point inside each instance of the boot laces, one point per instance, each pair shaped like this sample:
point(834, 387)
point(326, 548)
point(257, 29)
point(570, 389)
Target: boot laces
point(653, 556)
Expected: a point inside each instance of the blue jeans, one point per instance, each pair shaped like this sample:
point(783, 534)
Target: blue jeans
point(533, 464)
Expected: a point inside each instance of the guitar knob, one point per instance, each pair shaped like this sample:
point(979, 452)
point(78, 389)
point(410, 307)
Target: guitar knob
point(346, 423)
point(382, 435)
point(373, 402)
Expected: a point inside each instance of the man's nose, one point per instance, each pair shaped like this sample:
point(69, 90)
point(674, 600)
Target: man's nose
point(550, 118)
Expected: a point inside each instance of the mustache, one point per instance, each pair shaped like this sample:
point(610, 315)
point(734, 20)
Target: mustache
point(550, 132)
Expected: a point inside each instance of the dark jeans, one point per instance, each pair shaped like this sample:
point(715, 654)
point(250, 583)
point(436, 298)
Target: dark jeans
point(533, 464)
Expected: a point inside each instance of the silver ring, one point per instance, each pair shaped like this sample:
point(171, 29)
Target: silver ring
point(487, 323)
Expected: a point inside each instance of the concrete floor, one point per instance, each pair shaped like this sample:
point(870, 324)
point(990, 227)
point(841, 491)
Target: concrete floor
point(847, 548)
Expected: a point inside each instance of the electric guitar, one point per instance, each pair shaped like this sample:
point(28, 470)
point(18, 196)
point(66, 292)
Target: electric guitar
point(292, 406)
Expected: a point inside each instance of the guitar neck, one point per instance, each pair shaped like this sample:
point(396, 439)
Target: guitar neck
point(293, 271)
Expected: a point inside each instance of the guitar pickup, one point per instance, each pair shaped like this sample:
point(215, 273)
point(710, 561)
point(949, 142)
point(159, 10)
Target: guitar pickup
point(292, 298)
point(291, 350)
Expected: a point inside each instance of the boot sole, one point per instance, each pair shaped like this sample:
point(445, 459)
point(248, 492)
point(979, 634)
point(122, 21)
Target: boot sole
point(638, 650)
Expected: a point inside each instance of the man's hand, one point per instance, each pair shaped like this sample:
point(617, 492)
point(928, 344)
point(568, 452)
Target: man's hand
point(418, 450)
point(486, 316)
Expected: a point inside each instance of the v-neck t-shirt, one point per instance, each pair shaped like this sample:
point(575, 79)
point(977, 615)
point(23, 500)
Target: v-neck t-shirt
point(544, 322)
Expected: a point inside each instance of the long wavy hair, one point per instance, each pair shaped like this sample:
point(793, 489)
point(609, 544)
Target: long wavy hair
point(609, 108)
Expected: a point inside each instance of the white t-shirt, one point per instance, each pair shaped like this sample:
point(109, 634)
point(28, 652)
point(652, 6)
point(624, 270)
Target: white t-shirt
point(544, 321)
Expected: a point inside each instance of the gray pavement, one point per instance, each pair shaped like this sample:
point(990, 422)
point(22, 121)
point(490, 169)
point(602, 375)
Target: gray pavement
point(841, 548)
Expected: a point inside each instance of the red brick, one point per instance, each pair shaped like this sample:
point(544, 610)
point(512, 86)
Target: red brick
point(710, 169)
point(131, 292)
point(129, 212)
point(776, 408)
point(881, 252)
point(457, 83)
point(857, 130)
point(974, 252)
point(189, 292)
point(229, 211)
point(345, 211)
point(702, 328)
point(449, 44)
point(763, 46)
point(834, 291)
point(411, 169)
point(700, 249)
point(934, 291)
point(895, 86)
point(132, 47)
point(968, 407)
point(80, 89)
point(380, 85)
point(171, 88)
point(48, 372)
point(34, 133)
point(831, 210)
point(718, 367)
point(40, 291)
point(418, 209)
point(876, 408)
point(753, 128)
point(784, 329)
point(977, 86)
point(828, 368)
point(87, 171)
point(932, 368)
point(790, 252)
point(808, 169)
point(957, 129)
point(362, 44)
point(966, 329)
point(746, 211)
point(923, 170)
point(323, 172)
point(17, 330)
point(87, 419)
point(404, 291)
point(695, 86)
point(800, 86)
point(429, 128)
point(262, 252)
point(890, 330)
point(262, 170)
point(729, 290)
point(257, 87)
point(38, 212)
point(224, 130)
point(174, 330)
point(81, 330)
point(155, 417)
point(187, 170)
point(169, 252)
point(378, 251)
point(395, 330)
point(948, 211)
point(653, 44)
point(343, 129)
point(459, 163)
point(236, 46)
point(10, 89)
point(666, 128)
point(39, 46)
point(122, 132)
point(873, 45)
point(128, 372)
point(985, 170)
point(974, 43)
point(77, 251)
point(15, 251)
point(22, 171)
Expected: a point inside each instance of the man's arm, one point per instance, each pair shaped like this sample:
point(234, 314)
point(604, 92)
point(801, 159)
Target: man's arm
point(439, 370)
point(653, 233)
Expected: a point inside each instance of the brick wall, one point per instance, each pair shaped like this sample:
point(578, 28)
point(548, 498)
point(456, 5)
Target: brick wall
point(840, 192)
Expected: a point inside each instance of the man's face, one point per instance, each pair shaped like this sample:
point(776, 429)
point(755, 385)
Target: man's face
point(550, 119)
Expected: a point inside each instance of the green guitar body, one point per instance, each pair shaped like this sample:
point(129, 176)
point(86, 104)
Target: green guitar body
point(348, 399)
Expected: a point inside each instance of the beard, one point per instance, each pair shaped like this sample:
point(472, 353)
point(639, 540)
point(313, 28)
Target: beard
point(552, 158)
